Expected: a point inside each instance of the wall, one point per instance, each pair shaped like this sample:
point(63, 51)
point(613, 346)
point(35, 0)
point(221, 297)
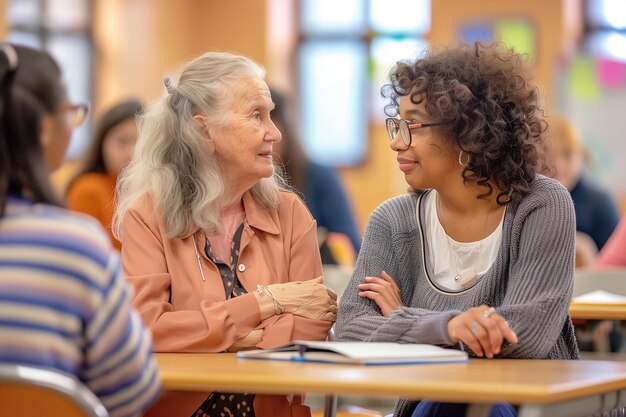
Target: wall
point(558, 28)
point(140, 41)
point(3, 21)
point(557, 24)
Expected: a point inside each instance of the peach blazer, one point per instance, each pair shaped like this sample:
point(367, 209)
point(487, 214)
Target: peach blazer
point(189, 313)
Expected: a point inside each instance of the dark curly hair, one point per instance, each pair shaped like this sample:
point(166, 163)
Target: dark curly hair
point(485, 93)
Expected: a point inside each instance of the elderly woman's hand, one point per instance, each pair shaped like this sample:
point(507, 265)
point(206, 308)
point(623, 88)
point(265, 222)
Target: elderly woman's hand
point(247, 342)
point(310, 299)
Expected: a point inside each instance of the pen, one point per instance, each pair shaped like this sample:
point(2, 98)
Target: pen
point(300, 357)
point(301, 350)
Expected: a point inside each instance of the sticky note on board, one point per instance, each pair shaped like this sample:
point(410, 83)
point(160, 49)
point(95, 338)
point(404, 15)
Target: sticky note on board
point(582, 80)
point(518, 34)
point(611, 73)
point(476, 32)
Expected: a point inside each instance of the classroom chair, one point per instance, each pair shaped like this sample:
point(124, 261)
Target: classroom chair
point(26, 391)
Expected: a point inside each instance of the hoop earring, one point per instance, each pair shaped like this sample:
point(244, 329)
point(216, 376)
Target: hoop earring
point(466, 163)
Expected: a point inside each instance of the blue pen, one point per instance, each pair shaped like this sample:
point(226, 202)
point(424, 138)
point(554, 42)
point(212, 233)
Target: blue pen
point(301, 350)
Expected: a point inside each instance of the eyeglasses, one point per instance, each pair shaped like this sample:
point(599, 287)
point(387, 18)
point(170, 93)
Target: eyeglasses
point(76, 114)
point(404, 127)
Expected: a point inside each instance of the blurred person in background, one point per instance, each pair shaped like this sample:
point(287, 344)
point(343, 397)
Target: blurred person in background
point(613, 253)
point(92, 190)
point(221, 256)
point(608, 335)
point(597, 217)
point(63, 303)
point(320, 186)
point(597, 214)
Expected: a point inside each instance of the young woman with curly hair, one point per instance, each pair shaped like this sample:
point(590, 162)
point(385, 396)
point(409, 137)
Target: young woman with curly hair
point(481, 254)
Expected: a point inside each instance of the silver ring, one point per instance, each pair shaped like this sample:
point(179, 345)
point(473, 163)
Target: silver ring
point(489, 312)
point(474, 327)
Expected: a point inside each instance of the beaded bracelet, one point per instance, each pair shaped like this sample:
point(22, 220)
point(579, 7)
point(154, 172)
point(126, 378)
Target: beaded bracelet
point(278, 309)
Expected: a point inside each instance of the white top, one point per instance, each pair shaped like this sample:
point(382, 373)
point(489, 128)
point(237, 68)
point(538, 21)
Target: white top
point(450, 258)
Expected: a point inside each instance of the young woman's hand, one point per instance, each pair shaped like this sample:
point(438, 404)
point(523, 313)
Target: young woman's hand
point(482, 330)
point(383, 291)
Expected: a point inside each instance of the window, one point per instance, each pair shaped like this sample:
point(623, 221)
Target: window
point(606, 29)
point(591, 91)
point(62, 28)
point(345, 53)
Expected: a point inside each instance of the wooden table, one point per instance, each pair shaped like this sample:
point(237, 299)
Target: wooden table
point(588, 280)
point(598, 311)
point(541, 388)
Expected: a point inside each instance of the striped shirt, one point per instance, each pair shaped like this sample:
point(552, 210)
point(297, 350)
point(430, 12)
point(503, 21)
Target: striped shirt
point(65, 307)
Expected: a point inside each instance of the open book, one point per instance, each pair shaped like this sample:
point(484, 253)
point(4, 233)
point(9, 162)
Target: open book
point(359, 353)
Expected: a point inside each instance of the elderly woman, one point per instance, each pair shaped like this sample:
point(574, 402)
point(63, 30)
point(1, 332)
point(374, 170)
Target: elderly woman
point(220, 256)
point(481, 254)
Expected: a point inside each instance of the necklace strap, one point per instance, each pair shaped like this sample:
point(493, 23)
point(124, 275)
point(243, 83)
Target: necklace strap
point(469, 276)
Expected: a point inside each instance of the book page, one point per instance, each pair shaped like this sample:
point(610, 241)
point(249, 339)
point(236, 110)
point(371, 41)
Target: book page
point(358, 353)
point(365, 350)
point(600, 297)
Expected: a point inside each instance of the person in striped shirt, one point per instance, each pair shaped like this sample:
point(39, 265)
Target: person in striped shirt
point(63, 303)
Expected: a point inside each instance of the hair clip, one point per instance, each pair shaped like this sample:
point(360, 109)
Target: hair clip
point(11, 55)
point(167, 81)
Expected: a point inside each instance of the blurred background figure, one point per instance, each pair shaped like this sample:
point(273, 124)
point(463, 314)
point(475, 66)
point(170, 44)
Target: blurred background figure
point(321, 189)
point(613, 254)
point(92, 190)
point(597, 214)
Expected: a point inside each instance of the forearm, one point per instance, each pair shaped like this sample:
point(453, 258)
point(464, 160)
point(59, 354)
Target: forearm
point(268, 305)
point(404, 325)
point(214, 327)
point(310, 329)
point(538, 326)
point(247, 342)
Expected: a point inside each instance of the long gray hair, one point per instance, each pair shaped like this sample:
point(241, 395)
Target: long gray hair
point(173, 162)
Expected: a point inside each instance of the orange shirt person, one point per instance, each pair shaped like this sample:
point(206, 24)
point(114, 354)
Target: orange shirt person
point(92, 190)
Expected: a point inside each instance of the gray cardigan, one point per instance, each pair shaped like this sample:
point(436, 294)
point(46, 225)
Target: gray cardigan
point(529, 284)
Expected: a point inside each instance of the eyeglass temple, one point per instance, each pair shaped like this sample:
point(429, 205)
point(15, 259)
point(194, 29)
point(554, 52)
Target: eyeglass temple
point(418, 125)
